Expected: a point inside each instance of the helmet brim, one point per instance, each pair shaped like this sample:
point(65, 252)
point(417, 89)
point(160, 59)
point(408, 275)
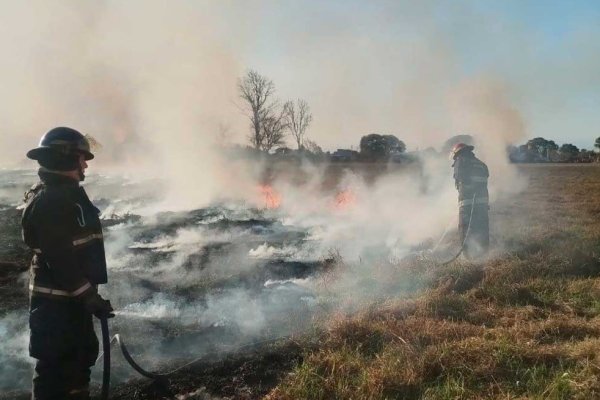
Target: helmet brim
point(39, 152)
point(88, 156)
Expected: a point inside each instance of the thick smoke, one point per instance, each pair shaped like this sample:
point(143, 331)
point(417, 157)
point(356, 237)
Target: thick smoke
point(155, 83)
point(14, 354)
point(152, 87)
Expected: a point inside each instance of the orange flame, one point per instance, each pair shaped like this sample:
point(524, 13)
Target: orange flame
point(344, 200)
point(271, 198)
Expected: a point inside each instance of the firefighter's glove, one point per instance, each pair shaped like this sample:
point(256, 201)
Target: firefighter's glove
point(96, 305)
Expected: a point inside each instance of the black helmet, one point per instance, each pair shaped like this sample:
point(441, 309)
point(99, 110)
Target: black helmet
point(61, 141)
point(460, 148)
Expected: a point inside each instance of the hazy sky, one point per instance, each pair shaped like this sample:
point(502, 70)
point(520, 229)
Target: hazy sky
point(165, 72)
point(548, 52)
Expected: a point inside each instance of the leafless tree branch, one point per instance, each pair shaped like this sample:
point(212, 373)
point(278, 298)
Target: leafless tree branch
point(298, 117)
point(256, 90)
point(274, 126)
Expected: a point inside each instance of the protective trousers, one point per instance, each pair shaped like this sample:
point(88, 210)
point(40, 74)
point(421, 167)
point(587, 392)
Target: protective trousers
point(477, 227)
point(65, 345)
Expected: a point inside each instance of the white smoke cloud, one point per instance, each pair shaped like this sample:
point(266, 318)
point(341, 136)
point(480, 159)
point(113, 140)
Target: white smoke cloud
point(155, 81)
point(14, 352)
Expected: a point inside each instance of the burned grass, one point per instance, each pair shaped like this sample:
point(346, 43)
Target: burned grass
point(248, 374)
point(523, 324)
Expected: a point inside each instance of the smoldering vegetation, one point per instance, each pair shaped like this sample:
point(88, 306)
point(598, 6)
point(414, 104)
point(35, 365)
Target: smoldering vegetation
point(522, 324)
point(208, 280)
point(312, 241)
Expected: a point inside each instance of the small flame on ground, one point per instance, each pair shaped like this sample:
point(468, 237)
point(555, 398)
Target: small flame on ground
point(271, 198)
point(344, 200)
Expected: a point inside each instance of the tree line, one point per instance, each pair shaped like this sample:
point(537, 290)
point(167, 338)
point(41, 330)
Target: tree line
point(544, 150)
point(272, 120)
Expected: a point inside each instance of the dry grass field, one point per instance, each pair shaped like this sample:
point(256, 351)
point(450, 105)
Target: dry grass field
point(524, 324)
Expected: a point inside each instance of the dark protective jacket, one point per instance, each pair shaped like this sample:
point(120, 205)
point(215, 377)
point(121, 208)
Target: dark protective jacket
point(63, 228)
point(471, 178)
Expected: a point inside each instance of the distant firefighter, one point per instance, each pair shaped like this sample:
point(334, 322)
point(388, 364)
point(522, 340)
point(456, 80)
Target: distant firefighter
point(471, 177)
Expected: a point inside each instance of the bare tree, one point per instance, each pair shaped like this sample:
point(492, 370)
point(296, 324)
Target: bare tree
point(273, 128)
point(256, 91)
point(311, 146)
point(298, 118)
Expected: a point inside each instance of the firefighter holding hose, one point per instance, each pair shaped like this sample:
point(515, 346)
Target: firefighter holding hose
point(62, 227)
point(471, 177)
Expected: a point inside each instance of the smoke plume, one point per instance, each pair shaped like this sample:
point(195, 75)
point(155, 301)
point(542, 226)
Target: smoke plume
point(192, 256)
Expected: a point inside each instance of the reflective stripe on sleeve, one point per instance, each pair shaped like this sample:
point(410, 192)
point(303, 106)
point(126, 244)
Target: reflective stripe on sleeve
point(87, 239)
point(58, 292)
point(468, 202)
point(479, 179)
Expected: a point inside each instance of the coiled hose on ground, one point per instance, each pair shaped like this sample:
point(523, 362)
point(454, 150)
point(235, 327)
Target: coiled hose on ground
point(107, 342)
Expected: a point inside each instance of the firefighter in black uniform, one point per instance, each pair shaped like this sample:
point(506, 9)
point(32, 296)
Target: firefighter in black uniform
point(63, 229)
point(471, 177)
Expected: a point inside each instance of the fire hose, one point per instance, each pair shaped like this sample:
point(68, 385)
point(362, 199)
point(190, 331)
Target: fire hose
point(161, 377)
point(464, 242)
point(106, 358)
point(106, 344)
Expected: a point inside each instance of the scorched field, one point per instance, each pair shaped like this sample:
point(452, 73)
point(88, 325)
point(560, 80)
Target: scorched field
point(335, 300)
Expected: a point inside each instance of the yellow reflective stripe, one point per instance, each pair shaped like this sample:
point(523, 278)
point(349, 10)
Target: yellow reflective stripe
point(479, 179)
point(468, 202)
point(58, 292)
point(86, 239)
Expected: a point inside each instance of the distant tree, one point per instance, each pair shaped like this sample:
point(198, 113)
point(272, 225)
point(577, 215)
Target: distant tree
point(282, 151)
point(394, 145)
point(298, 117)
point(597, 143)
point(256, 91)
point(273, 129)
point(312, 147)
point(569, 152)
point(543, 146)
point(449, 144)
point(588, 156)
point(379, 147)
